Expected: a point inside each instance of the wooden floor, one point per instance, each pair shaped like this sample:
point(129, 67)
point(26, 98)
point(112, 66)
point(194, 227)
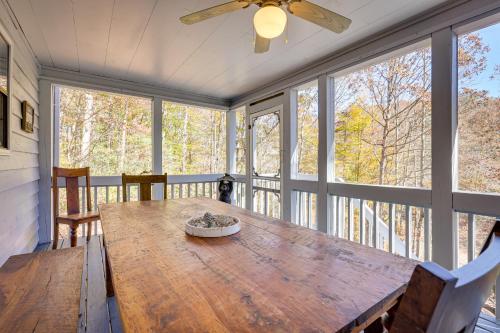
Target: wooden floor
point(99, 313)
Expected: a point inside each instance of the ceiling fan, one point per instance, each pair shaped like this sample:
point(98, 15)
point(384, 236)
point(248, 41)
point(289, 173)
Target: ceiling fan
point(270, 20)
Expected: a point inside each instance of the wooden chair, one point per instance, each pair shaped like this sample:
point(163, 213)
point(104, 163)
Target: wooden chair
point(74, 217)
point(437, 300)
point(145, 182)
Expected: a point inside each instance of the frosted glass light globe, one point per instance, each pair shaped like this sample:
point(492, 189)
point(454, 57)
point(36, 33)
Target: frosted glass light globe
point(269, 21)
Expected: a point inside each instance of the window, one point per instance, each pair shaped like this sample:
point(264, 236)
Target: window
point(194, 139)
point(479, 110)
point(240, 141)
point(108, 132)
point(305, 157)
point(383, 120)
point(4, 93)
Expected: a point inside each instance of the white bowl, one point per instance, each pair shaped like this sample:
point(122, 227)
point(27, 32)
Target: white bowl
point(212, 232)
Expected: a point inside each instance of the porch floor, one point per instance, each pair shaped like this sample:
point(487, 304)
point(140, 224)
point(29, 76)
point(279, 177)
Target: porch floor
point(99, 313)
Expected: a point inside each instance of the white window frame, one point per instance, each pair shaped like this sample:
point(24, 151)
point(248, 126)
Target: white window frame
point(5, 151)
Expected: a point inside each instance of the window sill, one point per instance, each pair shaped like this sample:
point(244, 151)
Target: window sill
point(4, 152)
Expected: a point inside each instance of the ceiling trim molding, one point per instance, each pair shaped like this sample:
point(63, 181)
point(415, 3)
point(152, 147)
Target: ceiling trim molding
point(418, 27)
point(91, 81)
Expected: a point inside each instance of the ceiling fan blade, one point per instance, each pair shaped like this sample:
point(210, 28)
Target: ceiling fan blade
point(319, 15)
point(261, 44)
point(214, 11)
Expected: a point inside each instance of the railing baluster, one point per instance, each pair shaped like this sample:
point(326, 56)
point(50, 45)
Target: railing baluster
point(375, 229)
point(309, 209)
point(83, 197)
point(196, 189)
point(83, 208)
point(427, 235)
point(337, 219)
point(408, 230)
point(362, 221)
point(471, 237)
point(265, 202)
point(95, 208)
point(118, 188)
point(392, 220)
point(210, 189)
point(95, 197)
point(181, 190)
point(350, 218)
point(189, 190)
point(204, 189)
point(107, 194)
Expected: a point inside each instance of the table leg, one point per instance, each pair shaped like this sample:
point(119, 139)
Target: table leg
point(110, 292)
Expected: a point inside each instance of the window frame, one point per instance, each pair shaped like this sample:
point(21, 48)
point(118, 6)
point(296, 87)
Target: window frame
point(5, 151)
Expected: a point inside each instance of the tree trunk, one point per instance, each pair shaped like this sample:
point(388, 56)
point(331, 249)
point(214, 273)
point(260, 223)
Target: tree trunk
point(184, 143)
point(123, 143)
point(87, 128)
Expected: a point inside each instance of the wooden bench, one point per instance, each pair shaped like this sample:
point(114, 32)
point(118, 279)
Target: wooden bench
point(40, 292)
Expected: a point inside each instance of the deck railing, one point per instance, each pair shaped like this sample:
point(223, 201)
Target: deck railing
point(108, 189)
point(472, 230)
point(267, 196)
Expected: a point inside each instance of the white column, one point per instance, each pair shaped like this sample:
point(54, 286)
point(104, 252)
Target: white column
point(45, 162)
point(444, 131)
point(231, 141)
point(288, 200)
point(325, 149)
point(157, 144)
point(248, 160)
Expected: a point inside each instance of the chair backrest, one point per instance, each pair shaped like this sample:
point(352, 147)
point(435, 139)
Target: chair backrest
point(72, 194)
point(145, 182)
point(437, 300)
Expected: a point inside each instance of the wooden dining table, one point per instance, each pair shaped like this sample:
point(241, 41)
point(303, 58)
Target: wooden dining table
point(272, 276)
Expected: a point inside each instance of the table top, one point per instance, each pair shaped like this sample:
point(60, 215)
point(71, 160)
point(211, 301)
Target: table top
point(271, 276)
point(40, 292)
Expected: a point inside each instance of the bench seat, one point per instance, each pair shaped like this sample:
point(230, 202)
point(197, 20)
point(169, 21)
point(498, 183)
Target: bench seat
point(40, 292)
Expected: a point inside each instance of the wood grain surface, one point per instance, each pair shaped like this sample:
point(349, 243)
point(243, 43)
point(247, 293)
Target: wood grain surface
point(271, 276)
point(40, 292)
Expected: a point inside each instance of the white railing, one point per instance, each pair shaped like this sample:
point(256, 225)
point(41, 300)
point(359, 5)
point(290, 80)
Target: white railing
point(388, 226)
point(267, 196)
point(108, 189)
point(473, 230)
point(305, 213)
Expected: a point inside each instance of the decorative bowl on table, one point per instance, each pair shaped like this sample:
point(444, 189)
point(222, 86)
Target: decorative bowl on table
point(210, 225)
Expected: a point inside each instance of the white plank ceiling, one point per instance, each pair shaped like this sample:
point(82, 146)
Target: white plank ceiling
point(143, 40)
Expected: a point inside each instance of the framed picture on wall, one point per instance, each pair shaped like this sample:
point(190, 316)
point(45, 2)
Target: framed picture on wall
point(28, 118)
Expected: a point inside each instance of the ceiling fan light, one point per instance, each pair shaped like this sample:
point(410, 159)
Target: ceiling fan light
point(269, 21)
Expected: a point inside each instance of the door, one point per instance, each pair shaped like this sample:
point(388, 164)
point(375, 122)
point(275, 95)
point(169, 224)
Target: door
point(266, 161)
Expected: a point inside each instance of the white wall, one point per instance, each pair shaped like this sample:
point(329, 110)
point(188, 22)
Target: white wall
point(19, 173)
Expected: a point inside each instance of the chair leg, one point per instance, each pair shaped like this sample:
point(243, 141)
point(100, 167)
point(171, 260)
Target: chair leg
point(89, 232)
point(73, 228)
point(56, 236)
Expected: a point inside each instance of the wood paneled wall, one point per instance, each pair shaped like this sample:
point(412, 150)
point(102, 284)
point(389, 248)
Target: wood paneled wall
point(19, 172)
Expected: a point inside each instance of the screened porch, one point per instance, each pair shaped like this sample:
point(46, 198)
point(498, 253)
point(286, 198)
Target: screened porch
point(386, 139)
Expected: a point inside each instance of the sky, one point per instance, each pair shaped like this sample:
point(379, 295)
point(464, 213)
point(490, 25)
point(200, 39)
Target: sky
point(491, 37)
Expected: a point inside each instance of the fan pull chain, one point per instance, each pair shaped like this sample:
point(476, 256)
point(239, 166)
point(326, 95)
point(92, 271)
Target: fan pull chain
point(286, 32)
point(254, 36)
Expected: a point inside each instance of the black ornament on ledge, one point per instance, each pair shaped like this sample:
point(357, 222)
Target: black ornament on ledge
point(226, 188)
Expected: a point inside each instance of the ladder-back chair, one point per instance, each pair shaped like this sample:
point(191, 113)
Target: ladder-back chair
point(73, 217)
point(145, 182)
point(437, 300)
